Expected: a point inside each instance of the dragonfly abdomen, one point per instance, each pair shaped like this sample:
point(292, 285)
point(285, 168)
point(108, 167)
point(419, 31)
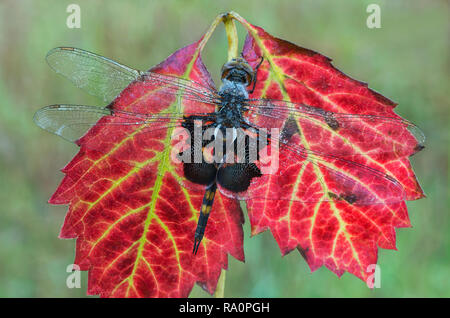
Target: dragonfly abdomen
point(205, 210)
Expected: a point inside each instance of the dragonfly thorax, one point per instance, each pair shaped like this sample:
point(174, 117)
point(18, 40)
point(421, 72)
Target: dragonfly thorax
point(233, 96)
point(233, 91)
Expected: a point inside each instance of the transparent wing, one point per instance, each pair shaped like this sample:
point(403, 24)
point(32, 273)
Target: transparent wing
point(140, 141)
point(72, 122)
point(342, 135)
point(105, 78)
point(95, 74)
point(294, 173)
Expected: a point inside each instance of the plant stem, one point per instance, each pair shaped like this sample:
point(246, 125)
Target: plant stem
point(232, 36)
point(220, 289)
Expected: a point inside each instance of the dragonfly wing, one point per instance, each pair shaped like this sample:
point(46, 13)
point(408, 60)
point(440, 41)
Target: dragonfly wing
point(290, 172)
point(106, 79)
point(97, 75)
point(72, 122)
point(343, 135)
point(137, 140)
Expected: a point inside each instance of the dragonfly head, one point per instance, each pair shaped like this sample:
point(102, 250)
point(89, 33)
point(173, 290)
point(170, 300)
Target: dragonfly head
point(238, 70)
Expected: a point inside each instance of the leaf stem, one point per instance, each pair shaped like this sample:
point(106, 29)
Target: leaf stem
point(220, 289)
point(230, 29)
point(232, 36)
point(210, 31)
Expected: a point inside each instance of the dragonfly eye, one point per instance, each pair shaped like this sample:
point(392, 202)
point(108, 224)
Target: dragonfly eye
point(238, 70)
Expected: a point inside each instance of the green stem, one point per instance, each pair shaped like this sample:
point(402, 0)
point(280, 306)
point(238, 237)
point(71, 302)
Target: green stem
point(220, 289)
point(232, 36)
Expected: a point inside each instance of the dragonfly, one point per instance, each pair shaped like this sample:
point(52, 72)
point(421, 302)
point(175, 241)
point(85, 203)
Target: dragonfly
point(230, 108)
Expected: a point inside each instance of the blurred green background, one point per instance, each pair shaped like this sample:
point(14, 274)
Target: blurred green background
point(407, 60)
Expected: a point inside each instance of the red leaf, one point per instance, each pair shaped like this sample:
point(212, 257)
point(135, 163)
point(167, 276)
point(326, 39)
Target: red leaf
point(135, 227)
point(339, 235)
point(134, 222)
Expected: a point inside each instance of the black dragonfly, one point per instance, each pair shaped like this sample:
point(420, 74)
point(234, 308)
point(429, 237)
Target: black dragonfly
point(234, 110)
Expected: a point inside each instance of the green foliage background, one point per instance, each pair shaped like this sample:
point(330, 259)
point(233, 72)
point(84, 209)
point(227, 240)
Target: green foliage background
point(407, 60)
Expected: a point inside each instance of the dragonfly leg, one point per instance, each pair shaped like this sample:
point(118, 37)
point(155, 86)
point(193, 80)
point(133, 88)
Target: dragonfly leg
point(256, 74)
point(205, 210)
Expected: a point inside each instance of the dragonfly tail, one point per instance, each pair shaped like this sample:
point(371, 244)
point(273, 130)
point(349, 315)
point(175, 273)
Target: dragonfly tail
point(205, 210)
